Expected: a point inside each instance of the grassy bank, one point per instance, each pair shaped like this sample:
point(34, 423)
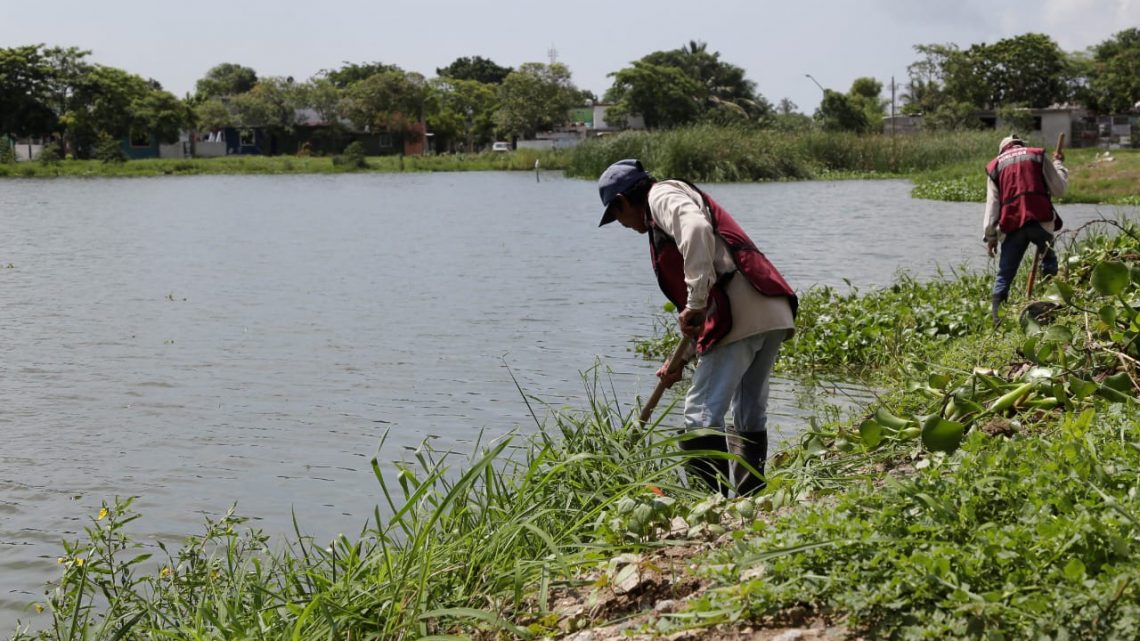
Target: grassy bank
point(239, 165)
point(988, 493)
point(1092, 179)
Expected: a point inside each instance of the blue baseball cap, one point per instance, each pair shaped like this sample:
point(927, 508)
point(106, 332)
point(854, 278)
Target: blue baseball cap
point(618, 178)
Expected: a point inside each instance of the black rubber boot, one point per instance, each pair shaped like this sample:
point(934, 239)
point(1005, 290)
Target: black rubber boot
point(751, 448)
point(995, 304)
point(710, 470)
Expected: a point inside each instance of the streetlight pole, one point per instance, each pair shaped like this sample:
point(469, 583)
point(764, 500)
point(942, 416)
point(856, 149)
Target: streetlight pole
point(812, 78)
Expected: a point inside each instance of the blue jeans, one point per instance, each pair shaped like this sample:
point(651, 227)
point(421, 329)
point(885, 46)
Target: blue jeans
point(734, 375)
point(1013, 250)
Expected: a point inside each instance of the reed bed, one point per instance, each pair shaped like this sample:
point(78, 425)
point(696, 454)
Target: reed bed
point(728, 154)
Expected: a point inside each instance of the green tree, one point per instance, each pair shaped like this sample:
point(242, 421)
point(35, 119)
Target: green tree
point(1029, 69)
point(391, 101)
point(26, 82)
point(351, 73)
point(271, 103)
point(866, 96)
point(226, 79)
point(1114, 73)
point(837, 112)
point(665, 96)
point(104, 103)
point(462, 112)
point(701, 87)
point(213, 114)
point(535, 97)
point(952, 115)
point(162, 114)
point(322, 95)
point(926, 87)
point(476, 68)
point(788, 118)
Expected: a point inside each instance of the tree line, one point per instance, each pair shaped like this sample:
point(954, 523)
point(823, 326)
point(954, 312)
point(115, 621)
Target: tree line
point(56, 91)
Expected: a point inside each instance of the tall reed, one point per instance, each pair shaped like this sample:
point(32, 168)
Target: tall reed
point(716, 154)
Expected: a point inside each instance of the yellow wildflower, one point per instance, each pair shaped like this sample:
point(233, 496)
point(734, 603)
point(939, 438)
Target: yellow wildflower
point(39, 608)
point(61, 560)
point(102, 514)
point(165, 572)
point(79, 561)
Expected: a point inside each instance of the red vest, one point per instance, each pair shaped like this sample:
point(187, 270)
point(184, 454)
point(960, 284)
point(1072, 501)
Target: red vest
point(1022, 193)
point(669, 266)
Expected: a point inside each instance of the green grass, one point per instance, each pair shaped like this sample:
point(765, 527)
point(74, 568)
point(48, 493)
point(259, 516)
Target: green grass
point(1091, 180)
point(523, 159)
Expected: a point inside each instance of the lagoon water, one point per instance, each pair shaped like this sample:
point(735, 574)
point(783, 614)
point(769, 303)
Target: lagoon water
point(201, 341)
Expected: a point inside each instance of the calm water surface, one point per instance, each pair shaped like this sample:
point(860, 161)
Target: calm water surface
point(204, 340)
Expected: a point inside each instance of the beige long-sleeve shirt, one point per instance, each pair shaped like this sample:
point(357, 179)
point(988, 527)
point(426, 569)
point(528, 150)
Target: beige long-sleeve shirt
point(1056, 179)
point(679, 211)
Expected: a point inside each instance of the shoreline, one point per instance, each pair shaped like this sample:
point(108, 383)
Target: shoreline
point(1094, 179)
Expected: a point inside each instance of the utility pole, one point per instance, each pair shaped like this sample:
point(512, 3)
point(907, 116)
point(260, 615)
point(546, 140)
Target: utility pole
point(892, 105)
point(812, 78)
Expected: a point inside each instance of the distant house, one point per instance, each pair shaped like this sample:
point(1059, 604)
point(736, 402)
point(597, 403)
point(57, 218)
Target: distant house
point(584, 122)
point(147, 145)
point(310, 132)
point(594, 117)
point(1081, 127)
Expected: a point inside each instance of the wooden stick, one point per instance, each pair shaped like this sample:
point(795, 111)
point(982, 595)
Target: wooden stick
point(1032, 274)
point(677, 362)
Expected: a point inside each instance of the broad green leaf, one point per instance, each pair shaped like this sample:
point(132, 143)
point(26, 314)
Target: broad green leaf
point(1074, 569)
point(1111, 277)
point(871, 433)
point(939, 381)
point(1059, 292)
point(1029, 348)
point(1107, 314)
point(1119, 381)
point(1058, 334)
point(941, 435)
point(1082, 388)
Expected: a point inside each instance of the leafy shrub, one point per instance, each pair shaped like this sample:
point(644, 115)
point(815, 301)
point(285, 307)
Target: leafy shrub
point(7, 153)
point(110, 150)
point(352, 158)
point(50, 154)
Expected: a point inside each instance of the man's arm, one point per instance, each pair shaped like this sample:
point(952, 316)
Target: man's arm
point(1056, 175)
point(682, 218)
point(990, 218)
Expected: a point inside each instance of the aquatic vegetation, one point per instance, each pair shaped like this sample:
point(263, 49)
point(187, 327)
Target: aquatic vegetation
point(1029, 537)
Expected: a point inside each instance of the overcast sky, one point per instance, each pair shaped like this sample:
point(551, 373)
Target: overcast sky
point(777, 43)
